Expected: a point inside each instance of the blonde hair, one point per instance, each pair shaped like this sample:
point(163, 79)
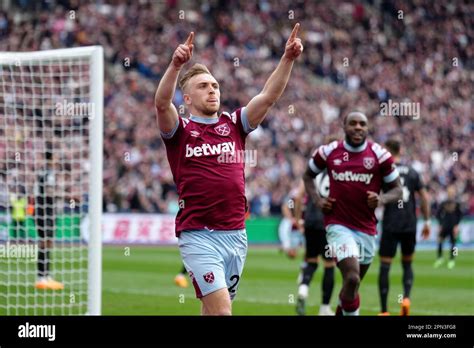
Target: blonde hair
point(196, 69)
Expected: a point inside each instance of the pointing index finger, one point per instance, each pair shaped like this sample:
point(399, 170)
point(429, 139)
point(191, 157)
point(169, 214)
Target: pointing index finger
point(189, 40)
point(294, 31)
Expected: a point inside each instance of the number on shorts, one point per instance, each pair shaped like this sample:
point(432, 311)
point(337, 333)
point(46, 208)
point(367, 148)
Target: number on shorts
point(231, 289)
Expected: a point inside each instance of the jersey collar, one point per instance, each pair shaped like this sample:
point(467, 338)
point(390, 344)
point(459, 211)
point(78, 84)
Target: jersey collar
point(205, 120)
point(359, 148)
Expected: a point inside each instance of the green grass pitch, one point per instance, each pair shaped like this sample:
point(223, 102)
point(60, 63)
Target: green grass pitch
point(140, 281)
point(142, 284)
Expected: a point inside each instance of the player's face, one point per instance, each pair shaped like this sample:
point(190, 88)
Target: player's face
point(356, 129)
point(451, 191)
point(203, 95)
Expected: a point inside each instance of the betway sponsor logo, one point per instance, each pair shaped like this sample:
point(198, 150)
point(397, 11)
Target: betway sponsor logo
point(350, 176)
point(210, 150)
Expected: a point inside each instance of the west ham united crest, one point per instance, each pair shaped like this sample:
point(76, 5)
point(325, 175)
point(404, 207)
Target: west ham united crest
point(369, 162)
point(209, 277)
point(223, 129)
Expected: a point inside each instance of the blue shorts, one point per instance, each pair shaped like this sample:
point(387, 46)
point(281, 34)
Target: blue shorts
point(345, 242)
point(214, 260)
point(289, 238)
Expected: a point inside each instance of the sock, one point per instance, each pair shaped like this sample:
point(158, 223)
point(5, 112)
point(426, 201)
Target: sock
point(41, 263)
point(350, 307)
point(303, 291)
point(440, 250)
point(47, 262)
point(383, 285)
point(307, 272)
point(453, 242)
point(407, 278)
point(328, 284)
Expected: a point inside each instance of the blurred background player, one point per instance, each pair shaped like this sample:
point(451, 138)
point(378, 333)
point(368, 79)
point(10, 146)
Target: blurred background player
point(180, 279)
point(291, 237)
point(211, 224)
point(449, 215)
point(316, 245)
point(44, 221)
point(357, 168)
point(399, 227)
point(19, 204)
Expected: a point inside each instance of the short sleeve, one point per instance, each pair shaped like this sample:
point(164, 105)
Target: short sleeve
point(318, 160)
point(240, 120)
point(172, 137)
point(388, 169)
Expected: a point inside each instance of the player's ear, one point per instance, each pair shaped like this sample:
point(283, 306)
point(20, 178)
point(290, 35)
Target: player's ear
point(187, 99)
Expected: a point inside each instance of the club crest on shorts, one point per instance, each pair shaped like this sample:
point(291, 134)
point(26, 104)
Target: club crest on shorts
point(368, 162)
point(223, 129)
point(209, 277)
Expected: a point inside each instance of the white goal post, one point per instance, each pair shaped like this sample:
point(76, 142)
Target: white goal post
point(51, 149)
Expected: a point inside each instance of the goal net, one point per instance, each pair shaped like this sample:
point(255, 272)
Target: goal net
point(51, 123)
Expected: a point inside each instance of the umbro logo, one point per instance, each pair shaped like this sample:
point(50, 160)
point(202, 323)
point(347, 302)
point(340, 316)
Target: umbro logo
point(337, 162)
point(194, 133)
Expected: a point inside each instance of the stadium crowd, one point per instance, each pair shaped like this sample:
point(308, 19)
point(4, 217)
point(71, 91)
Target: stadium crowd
point(357, 56)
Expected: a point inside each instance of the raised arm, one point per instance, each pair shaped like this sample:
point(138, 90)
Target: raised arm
point(258, 107)
point(166, 113)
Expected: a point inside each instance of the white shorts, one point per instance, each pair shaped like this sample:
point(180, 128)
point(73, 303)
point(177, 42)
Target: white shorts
point(214, 260)
point(345, 242)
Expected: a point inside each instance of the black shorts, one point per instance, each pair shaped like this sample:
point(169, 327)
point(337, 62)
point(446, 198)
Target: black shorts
point(390, 240)
point(448, 232)
point(44, 225)
point(316, 243)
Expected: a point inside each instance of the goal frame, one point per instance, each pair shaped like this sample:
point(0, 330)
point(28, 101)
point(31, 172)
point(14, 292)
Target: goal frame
point(96, 54)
